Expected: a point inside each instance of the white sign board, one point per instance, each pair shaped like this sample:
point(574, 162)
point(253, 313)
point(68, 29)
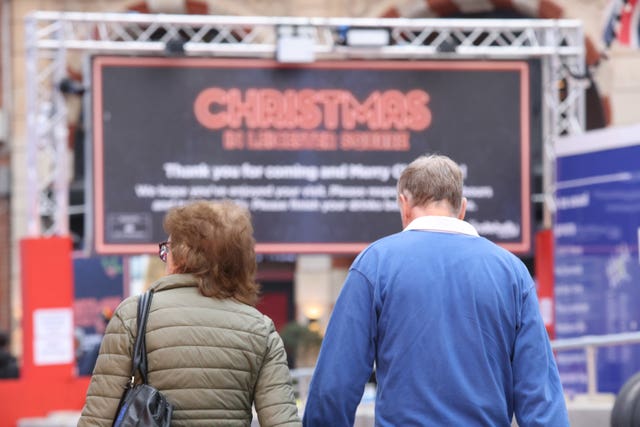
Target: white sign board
point(53, 336)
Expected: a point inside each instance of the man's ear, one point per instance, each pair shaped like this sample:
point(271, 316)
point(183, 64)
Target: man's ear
point(405, 209)
point(463, 209)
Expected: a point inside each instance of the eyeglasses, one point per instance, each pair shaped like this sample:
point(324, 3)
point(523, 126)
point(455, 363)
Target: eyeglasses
point(163, 250)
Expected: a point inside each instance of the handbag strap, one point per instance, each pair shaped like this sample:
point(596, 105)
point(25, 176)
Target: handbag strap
point(140, 346)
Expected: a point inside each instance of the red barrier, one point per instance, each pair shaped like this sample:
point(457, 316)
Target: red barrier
point(46, 384)
point(38, 397)
point(545, 278)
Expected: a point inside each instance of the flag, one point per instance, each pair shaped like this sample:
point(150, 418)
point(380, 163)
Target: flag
point(628, 34)
point(623, 23)
point(613, 18)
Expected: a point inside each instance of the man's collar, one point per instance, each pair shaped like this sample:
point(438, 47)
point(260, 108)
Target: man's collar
point(445, 224)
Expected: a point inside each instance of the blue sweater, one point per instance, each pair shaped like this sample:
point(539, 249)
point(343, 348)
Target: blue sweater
point(453, 325)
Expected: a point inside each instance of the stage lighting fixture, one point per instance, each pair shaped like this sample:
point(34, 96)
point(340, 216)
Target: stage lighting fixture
point(295, 44)
point(367, 37)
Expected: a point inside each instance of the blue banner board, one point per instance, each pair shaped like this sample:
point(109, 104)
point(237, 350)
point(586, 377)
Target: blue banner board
point(597, 265)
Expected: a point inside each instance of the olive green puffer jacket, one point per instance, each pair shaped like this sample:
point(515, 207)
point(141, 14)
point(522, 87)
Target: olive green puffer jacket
point(213, 359)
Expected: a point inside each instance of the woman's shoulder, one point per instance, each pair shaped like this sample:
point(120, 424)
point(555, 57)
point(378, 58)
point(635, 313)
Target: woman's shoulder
point(128, 308)
point(249, 312)
point(250, 318)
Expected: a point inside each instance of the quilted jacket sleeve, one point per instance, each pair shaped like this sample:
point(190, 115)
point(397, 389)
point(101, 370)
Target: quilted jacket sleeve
point(112, 369)
point(274, 399)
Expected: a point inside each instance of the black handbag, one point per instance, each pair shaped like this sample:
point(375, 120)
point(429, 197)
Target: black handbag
point(141, 404)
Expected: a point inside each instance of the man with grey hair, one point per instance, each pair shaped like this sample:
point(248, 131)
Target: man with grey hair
point(450, 320)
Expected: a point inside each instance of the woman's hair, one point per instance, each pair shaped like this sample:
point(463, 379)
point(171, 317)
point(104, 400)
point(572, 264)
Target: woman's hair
point(432, 179)
point(214, 242)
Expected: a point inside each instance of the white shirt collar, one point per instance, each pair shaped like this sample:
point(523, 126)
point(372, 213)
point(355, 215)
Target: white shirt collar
point(445, 224)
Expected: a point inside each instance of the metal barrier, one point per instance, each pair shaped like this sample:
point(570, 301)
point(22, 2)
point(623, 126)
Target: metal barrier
point(301, 379)
point(590, 344)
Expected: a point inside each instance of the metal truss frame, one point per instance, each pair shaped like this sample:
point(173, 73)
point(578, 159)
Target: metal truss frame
point(52, 36)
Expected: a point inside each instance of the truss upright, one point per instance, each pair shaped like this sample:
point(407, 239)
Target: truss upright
point(52, 36)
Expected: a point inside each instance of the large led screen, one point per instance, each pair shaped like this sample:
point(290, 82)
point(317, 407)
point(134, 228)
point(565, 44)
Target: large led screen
point(313, 150)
